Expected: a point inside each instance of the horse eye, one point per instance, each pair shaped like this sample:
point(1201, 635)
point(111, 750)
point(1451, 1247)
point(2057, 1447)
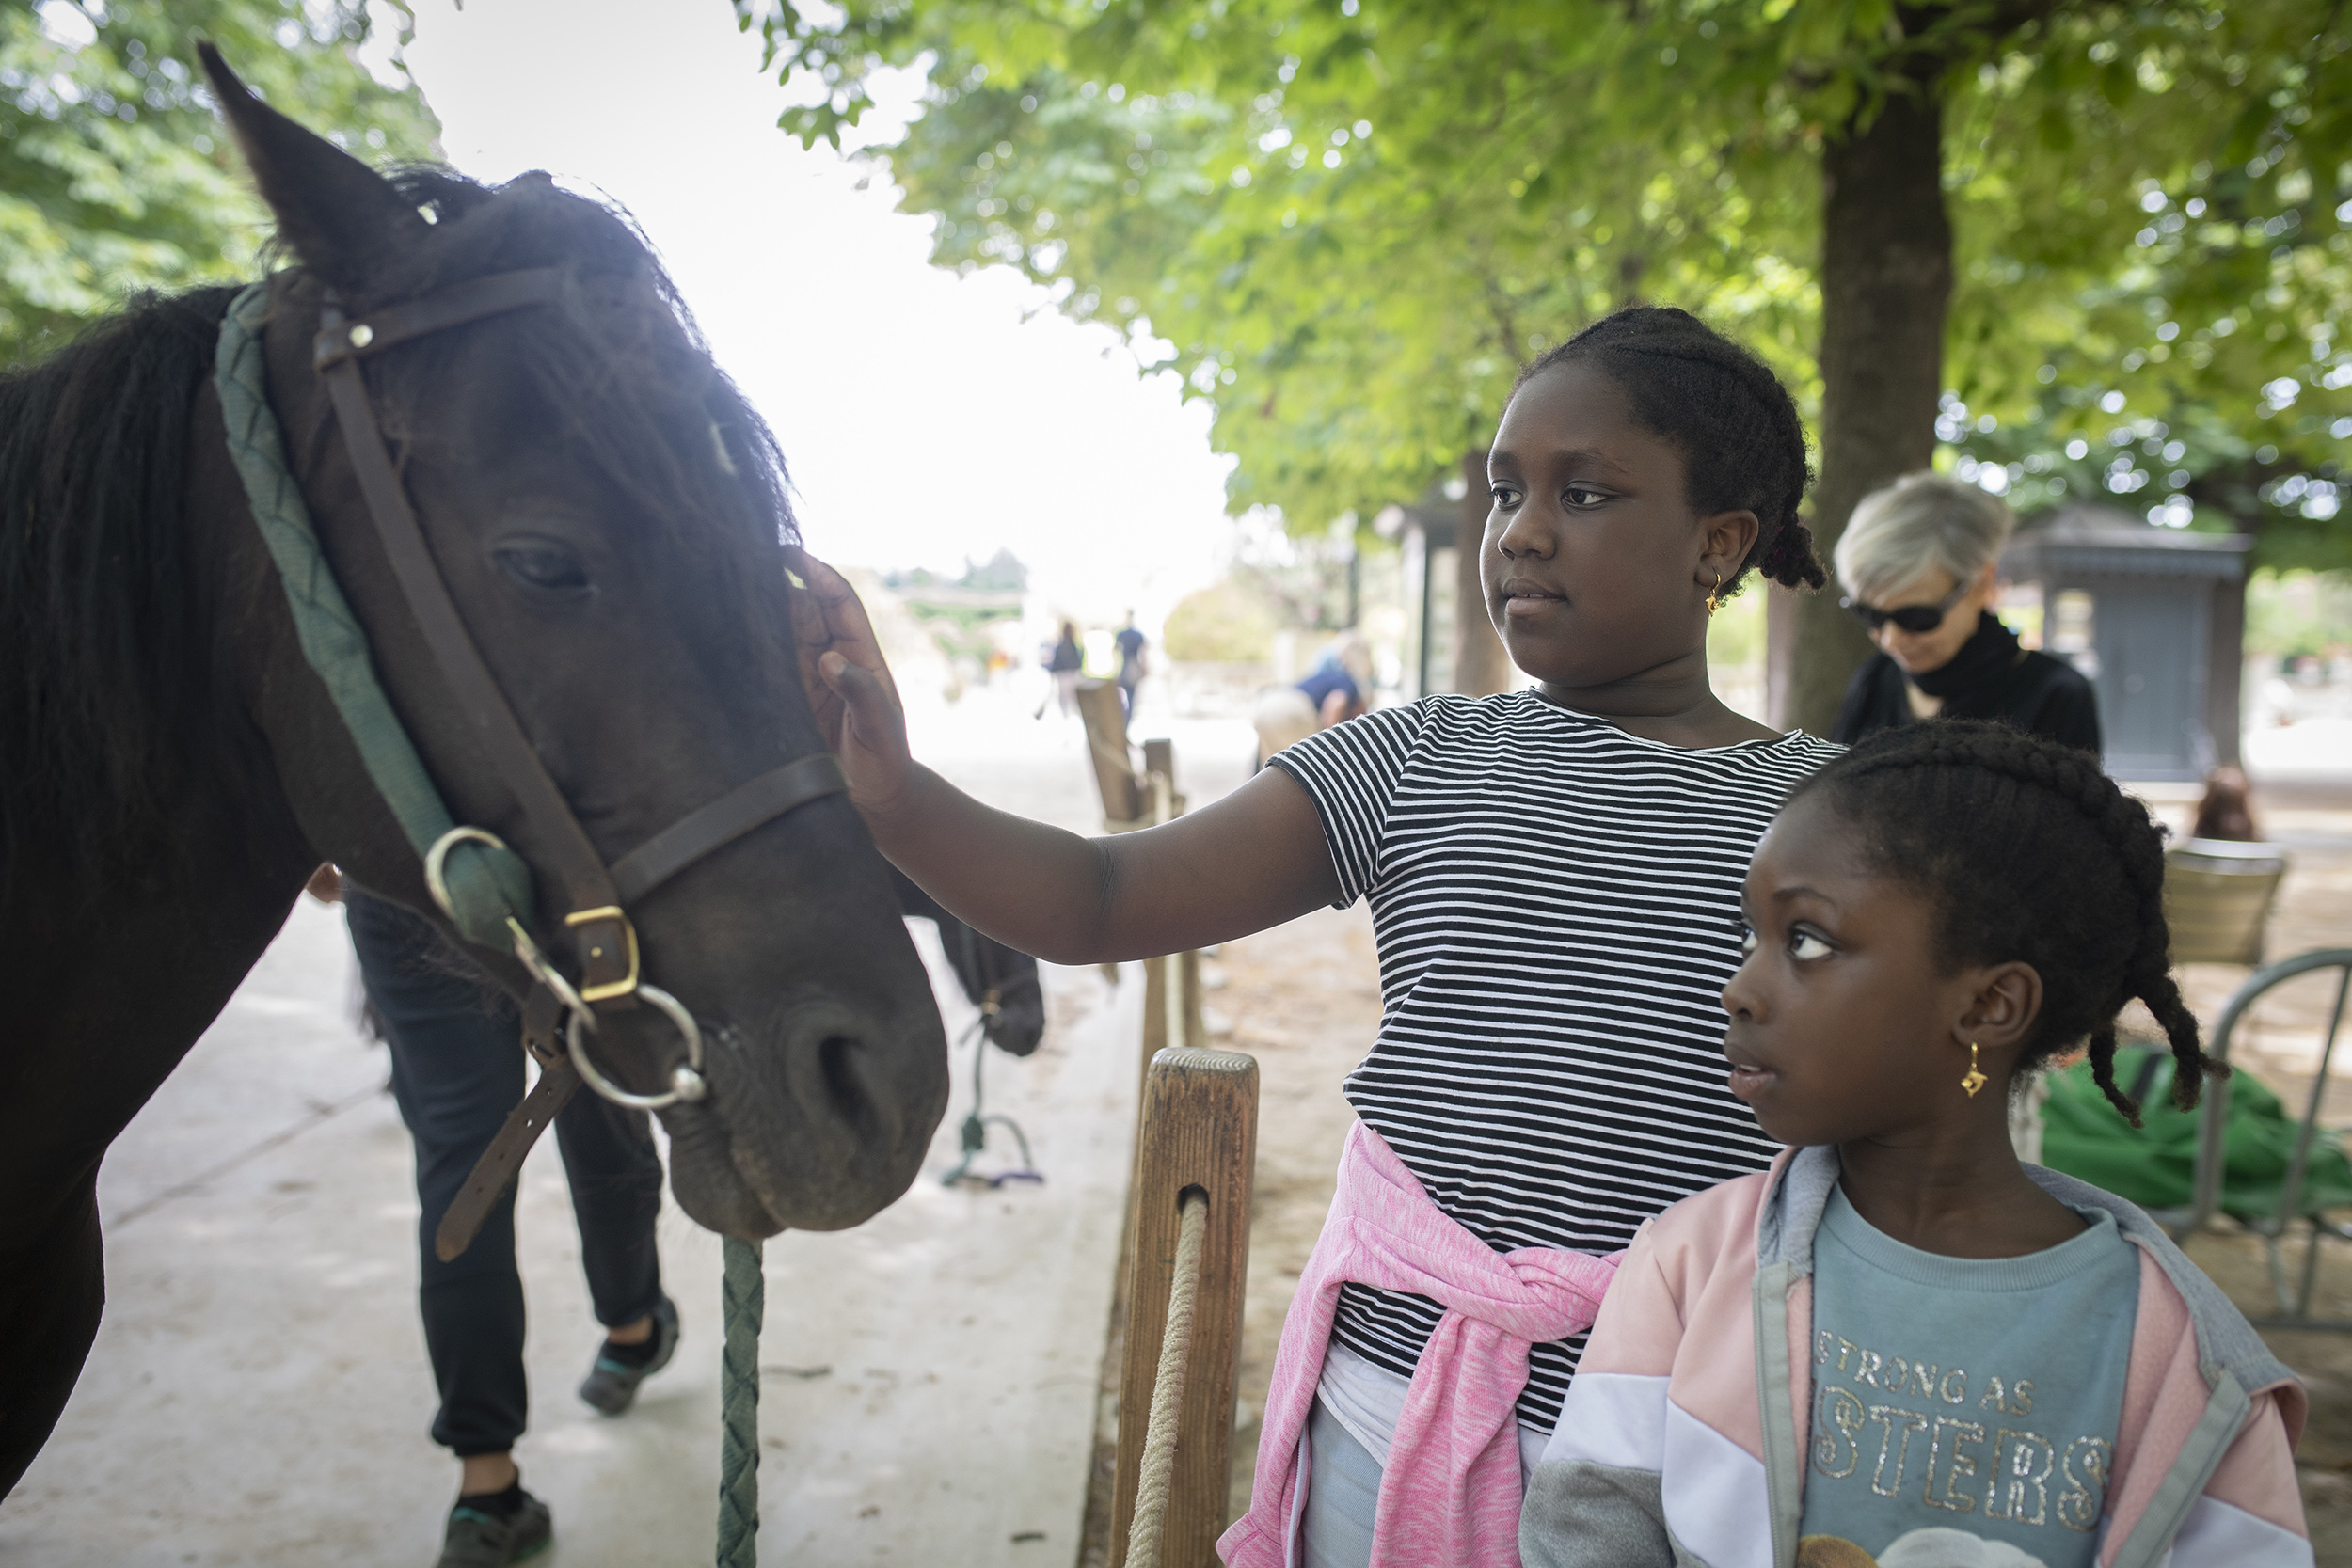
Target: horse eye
point(542, 566)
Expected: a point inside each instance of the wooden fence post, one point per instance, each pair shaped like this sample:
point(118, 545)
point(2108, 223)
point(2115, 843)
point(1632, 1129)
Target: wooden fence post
point(1124, 804)
point(1200, 1129)
point(1155, 1035)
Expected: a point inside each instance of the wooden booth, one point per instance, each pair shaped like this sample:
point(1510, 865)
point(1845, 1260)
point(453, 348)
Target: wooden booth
point(2155, 617)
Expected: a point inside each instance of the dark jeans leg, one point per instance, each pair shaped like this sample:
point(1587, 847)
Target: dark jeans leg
point(458, 1069)
point(615, 1176)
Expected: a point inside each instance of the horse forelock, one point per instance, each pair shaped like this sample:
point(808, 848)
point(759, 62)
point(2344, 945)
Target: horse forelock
point(618, 356)
point(616, 360)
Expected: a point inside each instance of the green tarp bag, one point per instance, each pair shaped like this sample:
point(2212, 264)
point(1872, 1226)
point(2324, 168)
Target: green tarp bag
point(2155, 1166)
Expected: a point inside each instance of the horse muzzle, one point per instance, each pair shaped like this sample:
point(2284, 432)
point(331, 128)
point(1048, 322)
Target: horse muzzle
point(817, 1123)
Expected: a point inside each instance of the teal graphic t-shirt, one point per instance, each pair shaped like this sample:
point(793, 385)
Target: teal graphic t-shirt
point(1965, 1409)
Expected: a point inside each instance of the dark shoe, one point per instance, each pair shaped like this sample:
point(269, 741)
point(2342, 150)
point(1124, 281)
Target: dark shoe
point(479, 1539)
point(611, 1383)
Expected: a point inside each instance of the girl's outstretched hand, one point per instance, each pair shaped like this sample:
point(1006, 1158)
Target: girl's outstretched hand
point(848, 685)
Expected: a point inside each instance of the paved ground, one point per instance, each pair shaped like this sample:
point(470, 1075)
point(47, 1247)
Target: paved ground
point(259, 1393)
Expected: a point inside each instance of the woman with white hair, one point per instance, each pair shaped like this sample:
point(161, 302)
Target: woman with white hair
point(1917, 564)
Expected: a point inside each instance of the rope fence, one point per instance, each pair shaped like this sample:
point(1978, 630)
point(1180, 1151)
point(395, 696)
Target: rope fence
point(1156, 1469)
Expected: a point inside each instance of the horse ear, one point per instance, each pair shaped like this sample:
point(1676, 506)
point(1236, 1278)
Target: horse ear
point(340, 216)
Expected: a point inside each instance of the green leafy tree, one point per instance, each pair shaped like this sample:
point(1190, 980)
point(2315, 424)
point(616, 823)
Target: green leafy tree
point(1352, 221)
point(2134, 411)
point(1228, 622)
point(115, 171)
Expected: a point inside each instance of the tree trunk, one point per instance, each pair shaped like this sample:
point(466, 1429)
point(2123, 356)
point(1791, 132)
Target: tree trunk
point(1481, 665)
point(1886, 279)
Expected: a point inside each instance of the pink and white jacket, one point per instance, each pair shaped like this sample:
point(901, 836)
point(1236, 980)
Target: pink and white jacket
point(1683, 1439)
point(1450, 1493)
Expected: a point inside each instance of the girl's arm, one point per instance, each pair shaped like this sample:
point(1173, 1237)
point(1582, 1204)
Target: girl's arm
point(2251, 1515)
point(1596, 1498)
point(1252, 860)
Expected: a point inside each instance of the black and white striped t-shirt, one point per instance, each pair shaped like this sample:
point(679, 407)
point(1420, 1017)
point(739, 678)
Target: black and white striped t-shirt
point(1556, 905)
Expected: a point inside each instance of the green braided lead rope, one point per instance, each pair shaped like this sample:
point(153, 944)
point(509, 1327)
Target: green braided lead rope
point(486, 885)
point(746, 1296)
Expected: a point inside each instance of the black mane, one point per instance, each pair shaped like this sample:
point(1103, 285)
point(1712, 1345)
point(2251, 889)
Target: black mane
point(110, 682)
point(104, 655)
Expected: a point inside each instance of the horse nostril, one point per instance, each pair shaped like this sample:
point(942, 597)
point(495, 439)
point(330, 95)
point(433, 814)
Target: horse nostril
point(844, 1089)
point(838, 1076)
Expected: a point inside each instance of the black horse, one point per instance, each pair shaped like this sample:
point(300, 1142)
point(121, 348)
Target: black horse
point(990, 972)
point(611, 521)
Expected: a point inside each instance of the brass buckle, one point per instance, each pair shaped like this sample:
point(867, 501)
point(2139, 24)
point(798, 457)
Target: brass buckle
point(627, 983)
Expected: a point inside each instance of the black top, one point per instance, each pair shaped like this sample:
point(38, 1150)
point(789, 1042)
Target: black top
point(1990, 677)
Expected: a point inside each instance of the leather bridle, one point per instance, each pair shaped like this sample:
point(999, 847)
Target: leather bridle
point(595, 896)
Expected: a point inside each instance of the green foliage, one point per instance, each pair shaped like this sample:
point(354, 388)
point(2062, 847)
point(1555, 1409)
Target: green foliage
point(2193, 467)
point(1001, 573)
point(1353, 222)
point(1735, 634)
point(2292, 613)
point(116, 173)
point(2199, 371)
point(1228, 622)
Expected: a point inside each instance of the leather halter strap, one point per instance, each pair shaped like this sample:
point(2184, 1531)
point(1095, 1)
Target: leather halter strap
point(725, 820)
point(455, 306)
point(595, 894)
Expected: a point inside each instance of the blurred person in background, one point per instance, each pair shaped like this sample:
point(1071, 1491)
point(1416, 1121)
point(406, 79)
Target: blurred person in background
point(2226, 810)
point(1336, 689)
point(1130, 644)
point(1917, 565)
point(1063, 663)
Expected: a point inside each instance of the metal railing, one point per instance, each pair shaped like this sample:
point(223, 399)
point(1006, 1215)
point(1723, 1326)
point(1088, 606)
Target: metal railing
point(2213, 1142)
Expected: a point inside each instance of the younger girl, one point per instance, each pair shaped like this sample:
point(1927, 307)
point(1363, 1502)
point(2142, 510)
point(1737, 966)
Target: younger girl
point(1555, 879)
point(1900, 1347)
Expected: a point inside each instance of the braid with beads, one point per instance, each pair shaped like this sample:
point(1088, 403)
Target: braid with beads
point(1724, 409)
point(2029, 853)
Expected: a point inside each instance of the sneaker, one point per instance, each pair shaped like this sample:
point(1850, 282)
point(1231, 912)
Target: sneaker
point(611, 1383)
point(480, 1539)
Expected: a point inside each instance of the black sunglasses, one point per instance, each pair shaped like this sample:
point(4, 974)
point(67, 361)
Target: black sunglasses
point(1916, 619)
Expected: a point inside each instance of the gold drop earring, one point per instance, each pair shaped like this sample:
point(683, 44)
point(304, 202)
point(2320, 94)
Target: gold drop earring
point(1975, 1079)
point(1714, 596)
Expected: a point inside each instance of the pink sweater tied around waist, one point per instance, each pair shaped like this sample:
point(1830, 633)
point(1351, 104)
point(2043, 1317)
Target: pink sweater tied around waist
point(1450, 1495)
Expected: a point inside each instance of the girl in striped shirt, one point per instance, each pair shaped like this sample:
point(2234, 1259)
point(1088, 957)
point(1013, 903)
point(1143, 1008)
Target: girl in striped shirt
point(1555, 879)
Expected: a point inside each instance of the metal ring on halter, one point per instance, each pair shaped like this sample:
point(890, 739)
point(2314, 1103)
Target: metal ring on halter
point(435, 883)
point(686, 1079)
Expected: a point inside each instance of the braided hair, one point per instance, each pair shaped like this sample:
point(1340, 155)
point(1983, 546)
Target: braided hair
point(1727, 414)
point(2029, 853)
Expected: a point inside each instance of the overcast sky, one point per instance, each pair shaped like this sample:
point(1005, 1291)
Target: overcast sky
point(926, 417)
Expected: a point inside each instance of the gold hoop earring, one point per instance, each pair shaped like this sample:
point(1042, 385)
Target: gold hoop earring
point(1714, 596)
point(1975, 1079)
